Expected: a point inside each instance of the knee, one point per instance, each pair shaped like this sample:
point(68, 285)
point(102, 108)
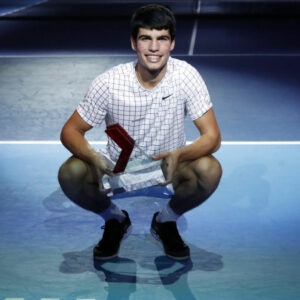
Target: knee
point(208, 172)
point(72, 172)
point(209, 167)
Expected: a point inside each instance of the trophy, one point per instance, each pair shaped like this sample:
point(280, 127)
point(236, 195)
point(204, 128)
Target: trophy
point(129, 175)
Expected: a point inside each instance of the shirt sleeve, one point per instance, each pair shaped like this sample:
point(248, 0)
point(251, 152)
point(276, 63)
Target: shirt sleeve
point(93, 107)
point(195, 91)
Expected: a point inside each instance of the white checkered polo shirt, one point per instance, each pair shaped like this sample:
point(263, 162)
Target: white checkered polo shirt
point(153, 118)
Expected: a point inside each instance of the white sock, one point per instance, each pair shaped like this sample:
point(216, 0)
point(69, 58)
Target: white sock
point(167, 215)
point(112, 212)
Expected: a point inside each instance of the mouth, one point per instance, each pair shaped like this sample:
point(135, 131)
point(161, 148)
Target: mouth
point(153, 58)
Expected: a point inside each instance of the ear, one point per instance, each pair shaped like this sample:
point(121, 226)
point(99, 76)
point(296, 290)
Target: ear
point(133, 43)
point(173, 45)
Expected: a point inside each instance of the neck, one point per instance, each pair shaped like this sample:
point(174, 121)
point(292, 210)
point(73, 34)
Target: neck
point(149, 79)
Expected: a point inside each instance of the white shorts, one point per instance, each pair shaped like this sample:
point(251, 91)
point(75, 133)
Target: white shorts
point(139, 174)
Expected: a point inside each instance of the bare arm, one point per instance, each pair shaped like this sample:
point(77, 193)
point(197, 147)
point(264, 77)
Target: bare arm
point(73, 138)
point(208, 142)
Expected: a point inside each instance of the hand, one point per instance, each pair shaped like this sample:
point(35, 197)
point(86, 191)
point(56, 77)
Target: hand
point(100, 165)
point(102, 169)
point(169, 164)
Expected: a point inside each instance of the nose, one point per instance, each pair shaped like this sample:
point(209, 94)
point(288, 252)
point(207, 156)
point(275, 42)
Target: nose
point(154, 45)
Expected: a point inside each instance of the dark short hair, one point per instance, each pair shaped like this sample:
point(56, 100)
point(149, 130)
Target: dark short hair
point(153, 16)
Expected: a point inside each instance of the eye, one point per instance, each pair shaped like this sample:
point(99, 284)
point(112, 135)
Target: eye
point(164, 38)
point(144, 38)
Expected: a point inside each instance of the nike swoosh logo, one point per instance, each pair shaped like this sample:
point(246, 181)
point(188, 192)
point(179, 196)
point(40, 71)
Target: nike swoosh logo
point(164, 98)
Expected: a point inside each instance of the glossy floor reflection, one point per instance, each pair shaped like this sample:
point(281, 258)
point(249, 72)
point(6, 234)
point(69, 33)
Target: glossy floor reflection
point(244, 241)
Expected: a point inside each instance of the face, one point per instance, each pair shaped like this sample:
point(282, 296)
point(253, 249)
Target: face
point(153, 48)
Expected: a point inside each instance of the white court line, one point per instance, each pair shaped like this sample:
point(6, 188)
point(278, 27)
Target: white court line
point(97, 55)
point(193, 39)
point(234, 143)
point(22, 8)
point(258, 143)
point(48, 299)
point(195, 30)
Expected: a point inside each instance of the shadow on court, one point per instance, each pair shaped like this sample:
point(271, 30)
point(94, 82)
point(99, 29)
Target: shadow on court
point(139, 262)
point(122, 274)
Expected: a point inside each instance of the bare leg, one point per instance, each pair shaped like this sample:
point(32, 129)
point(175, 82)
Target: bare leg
point(194, 183)
point(80, 183)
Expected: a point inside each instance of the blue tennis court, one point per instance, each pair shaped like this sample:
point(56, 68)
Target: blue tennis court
point(244, 240)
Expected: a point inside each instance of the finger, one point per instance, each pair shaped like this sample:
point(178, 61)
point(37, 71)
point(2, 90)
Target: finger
point(105, 191)
point(103, 171)
point(165, 183)
point(156, 157)
point(160, 155)
point(108, 171)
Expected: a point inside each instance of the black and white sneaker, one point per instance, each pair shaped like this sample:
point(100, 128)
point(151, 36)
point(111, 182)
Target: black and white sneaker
point(167, 234)
point(114, 232)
